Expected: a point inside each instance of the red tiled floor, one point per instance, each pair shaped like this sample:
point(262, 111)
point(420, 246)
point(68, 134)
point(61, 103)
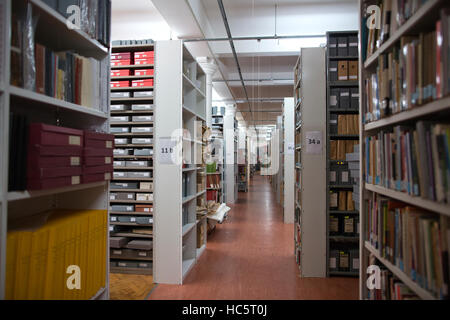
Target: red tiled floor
point(251, 256)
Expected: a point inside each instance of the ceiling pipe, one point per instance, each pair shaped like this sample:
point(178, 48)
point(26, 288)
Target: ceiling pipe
point(258, 38)
point(227, 28)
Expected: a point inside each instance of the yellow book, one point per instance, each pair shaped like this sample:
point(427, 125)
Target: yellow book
point(38, 263)
point(22, 266)
point(85, 256)
point(11, 263)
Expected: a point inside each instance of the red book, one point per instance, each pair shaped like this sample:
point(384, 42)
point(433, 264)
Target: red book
point(96, 161)
point(98, 169)
point(144, 61)
point(120, 84)
point(45, 173)
point(44, 134)
point(121, 56)
point(53, 183)
point(120, 73)
point(144, 54)
point(89, 178)
point(40, 68)
point(144, 72)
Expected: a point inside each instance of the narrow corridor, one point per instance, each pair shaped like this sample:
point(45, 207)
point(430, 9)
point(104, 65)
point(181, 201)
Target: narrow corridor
point(251, 256)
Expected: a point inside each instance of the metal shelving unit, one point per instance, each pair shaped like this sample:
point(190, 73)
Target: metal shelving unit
point(52, 32)
point(179, 134)
point(334, 242)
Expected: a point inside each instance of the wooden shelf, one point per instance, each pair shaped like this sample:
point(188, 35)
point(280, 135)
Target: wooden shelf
point(131, 270)
point(117, 257)
point(343, 111)
point(348, 83)
point(429, 205)
point(343, 238)
point(345, 212)
point(132, 235)
point(411, 26)
point(132, 213)
point(412, 114)
point(131, 201)
point(46, 101)
point(130, 224)
point(132, 179)
point(344, 137)
point(131, 190)
point(421, 292)
point(22, 195)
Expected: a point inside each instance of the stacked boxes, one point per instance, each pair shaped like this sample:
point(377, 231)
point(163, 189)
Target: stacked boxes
point(97, 156)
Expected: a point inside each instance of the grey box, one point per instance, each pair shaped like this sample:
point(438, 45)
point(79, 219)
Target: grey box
point(120, 141)
point(137, 163)
point(119, 163)
point(333, 70)
point(119, 174)
point(122, 208)
point(125, 219)
point(142, 141)
point(144, 220)
point(354, 260)
point(117, 242)
point(332, 46)
point(344, 175)
point(142, 129)
point(334, 98)
point(119, 107)
point(125, 196)
point(142, 94)
point(124, 185)
point(333, 123)
point(120, 94)
point(143, 152)
point(334, 260)
point(113, 218)
point(139, 174)
point(344, 98)
point(140, 244)
point(342, 46)
point(144, 196)
point(333, 178)
point(119, 129)
point(354, 99)
point(145, 265)
point(142, 118)
point(351, 157)
point(112, 264)
point(120, 118)
point(353, 165)
point(123, 152)
point(353, 46)
point(142, 107)
point(147, 186)
point(127, 264)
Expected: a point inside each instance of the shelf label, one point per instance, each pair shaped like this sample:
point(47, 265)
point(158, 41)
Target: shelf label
point(313, 142)
point(167, 151)
point(290, 148)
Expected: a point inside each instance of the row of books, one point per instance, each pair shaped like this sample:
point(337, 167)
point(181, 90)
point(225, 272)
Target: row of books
point(347, 226)
point(393, 14)
point(339, 148)
point(95, 16)
point(414, 240)
point(415, 72)
point(390, 287)
point(344, 260)
point(415, 160)
point(342, 201)
point(344, 124)
point(43, 259)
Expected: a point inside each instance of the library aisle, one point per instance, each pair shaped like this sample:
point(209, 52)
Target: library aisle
point(251, 256)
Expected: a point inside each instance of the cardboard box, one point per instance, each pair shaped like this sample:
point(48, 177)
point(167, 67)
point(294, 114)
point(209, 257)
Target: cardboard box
point(348, 226)
point(45, 173)
point(334, 260)
point(334, 98)
point(354, 98)
point(144, 61)
point(333, 174)
point(333, 123)
point(144, 196)
point(94, 152)
point(140, 244)
point(120, 73)
point(147, 208)
point(146, 186)
point(138, 174)
point(342, 70)
point(144, 72)
point(334, 225)
point(344, 261)
point(342, 202)
point(120, 84)
point(123, 152)
point(120, 174)
point(117, 242)
point(119, 164)
point(144, 220)
point(35, 152)
point(353, 70)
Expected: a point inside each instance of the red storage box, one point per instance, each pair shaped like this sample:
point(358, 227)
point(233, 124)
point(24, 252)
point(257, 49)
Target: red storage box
point(97, 161)
point(120, 73)
point(98, 140)
point(45, 173)
point(144, 54)
point(142, 83)
point(89, 178)
point(52, 183)
point(35, 152)
point(121, 56)
point(143, 208)
point(144, 61)
point(98, 169)
point(120, 84)
point(144, 72)
point(50, 162)
point(117, 63)
point(44, 134)
point(93, 152)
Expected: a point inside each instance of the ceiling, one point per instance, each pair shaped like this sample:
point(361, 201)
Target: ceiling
point(268, 63)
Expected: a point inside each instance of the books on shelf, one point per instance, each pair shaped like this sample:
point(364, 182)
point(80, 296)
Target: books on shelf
point(411, 159)
point(414, 72)
point(412, 239)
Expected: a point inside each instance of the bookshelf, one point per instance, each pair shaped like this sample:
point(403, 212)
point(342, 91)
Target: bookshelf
point(278, 175)
point(20, 206)
point(397, 120)
point(310, 236)
point(289, 160)
point(217, 145)
point(131, 189)
point(342, 95)
point(230, 154)
point(179, 128)
point(243, 173)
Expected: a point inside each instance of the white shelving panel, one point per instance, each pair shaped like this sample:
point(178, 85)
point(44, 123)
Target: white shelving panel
point(181, 105)
point(53, 33)
point(289, 160)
